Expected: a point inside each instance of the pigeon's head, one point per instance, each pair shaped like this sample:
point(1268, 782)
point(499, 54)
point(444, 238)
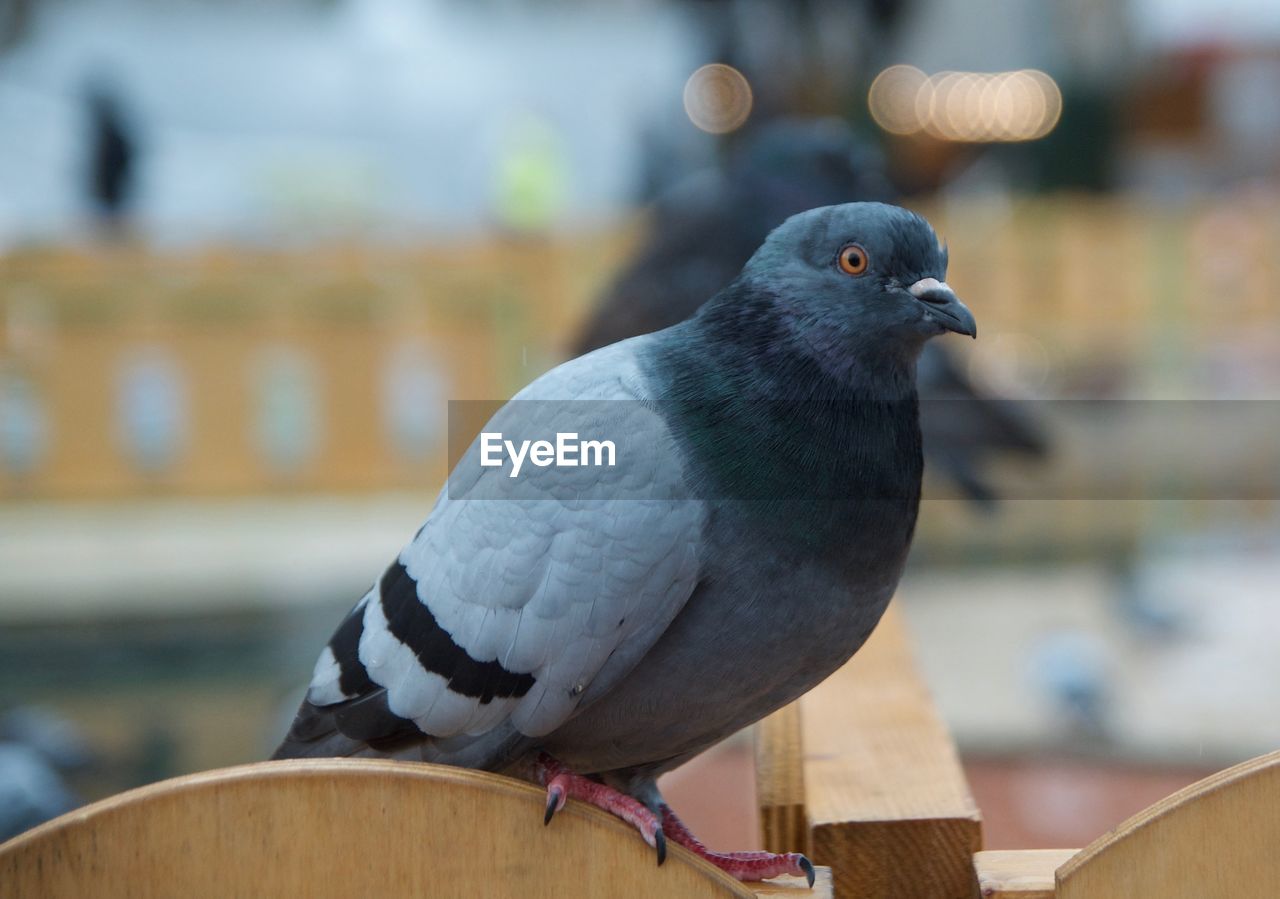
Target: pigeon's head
point(855, 279)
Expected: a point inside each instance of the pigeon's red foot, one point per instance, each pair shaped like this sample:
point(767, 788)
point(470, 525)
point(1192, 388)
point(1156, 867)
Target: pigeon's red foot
point(562, 784)
point(742, 865)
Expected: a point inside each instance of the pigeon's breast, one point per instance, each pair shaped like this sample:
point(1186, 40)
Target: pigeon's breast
point(766, 624)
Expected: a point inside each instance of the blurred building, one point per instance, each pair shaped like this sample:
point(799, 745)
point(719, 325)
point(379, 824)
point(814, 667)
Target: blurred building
point(364, 116)
point(1206, 109)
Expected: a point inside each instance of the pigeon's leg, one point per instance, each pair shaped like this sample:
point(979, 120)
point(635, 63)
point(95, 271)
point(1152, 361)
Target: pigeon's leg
point(742, 865)
point(562, 784)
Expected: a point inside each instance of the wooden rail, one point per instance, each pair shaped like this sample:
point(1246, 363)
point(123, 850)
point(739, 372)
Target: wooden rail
point(1019, 874)
point(1216, 838)
point(862, 772)
point(343, 828)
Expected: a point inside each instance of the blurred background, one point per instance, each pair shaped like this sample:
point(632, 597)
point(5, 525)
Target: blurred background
point(249, 253)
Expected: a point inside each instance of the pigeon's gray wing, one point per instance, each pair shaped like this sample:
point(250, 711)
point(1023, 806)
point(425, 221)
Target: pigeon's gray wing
point(501, 613)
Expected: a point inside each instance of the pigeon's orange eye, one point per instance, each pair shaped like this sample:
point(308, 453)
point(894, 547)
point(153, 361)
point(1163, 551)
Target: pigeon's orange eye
point(852, 259)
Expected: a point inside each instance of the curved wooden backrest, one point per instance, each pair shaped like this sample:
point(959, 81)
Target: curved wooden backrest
point(343, 828)
point(1219, 837)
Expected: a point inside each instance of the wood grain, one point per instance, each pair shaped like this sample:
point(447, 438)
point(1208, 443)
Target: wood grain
point(342, 828)
point(795, 887)
point(780, 782)
point(1216, 839)
point(1019, 873)
point(886, 802)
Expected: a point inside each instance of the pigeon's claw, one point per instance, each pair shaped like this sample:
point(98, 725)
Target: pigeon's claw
point(562, 784)
point(556, 797)
point(742, 865)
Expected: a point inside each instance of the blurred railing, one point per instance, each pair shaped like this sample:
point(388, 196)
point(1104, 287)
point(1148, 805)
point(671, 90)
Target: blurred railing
point(231, 371)
point(1118, 278)
point(1115, 298)
point(241, 371)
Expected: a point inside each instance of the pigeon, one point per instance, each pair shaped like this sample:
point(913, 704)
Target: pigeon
point(31, 790)
point(705, 228)
point(112, 156)
point(598, 625)
point(38, 747)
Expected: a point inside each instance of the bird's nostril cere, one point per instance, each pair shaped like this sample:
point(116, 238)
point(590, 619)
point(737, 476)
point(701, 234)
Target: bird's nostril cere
point(931, 290)
point(937, 297)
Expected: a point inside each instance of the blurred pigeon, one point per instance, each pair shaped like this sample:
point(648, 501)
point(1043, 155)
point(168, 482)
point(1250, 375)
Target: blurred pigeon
point(31, 790)
point(704, 230)
point(111, 156)
point(1073, 670)
point(37, 745)
point(51, 734)
point(1151, 592)
point(613, 622)
point(962, 426)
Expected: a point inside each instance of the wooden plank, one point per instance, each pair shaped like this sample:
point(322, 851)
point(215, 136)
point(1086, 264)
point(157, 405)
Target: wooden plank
point(780, 782)
point(1019, 873)
point(341, 828)
point(885, 800)
point(796, 888)
point(1215, 839)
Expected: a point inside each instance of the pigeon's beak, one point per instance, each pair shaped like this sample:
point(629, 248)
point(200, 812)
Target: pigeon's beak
point(944, 306)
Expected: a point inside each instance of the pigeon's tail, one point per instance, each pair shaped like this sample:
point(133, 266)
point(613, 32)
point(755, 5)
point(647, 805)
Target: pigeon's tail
point(343, 731)
point(350, 730)
point(335, 746)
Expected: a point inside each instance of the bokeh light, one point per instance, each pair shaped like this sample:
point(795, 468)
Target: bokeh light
point(893, 99)
point(717, 98)
point(973, 107)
